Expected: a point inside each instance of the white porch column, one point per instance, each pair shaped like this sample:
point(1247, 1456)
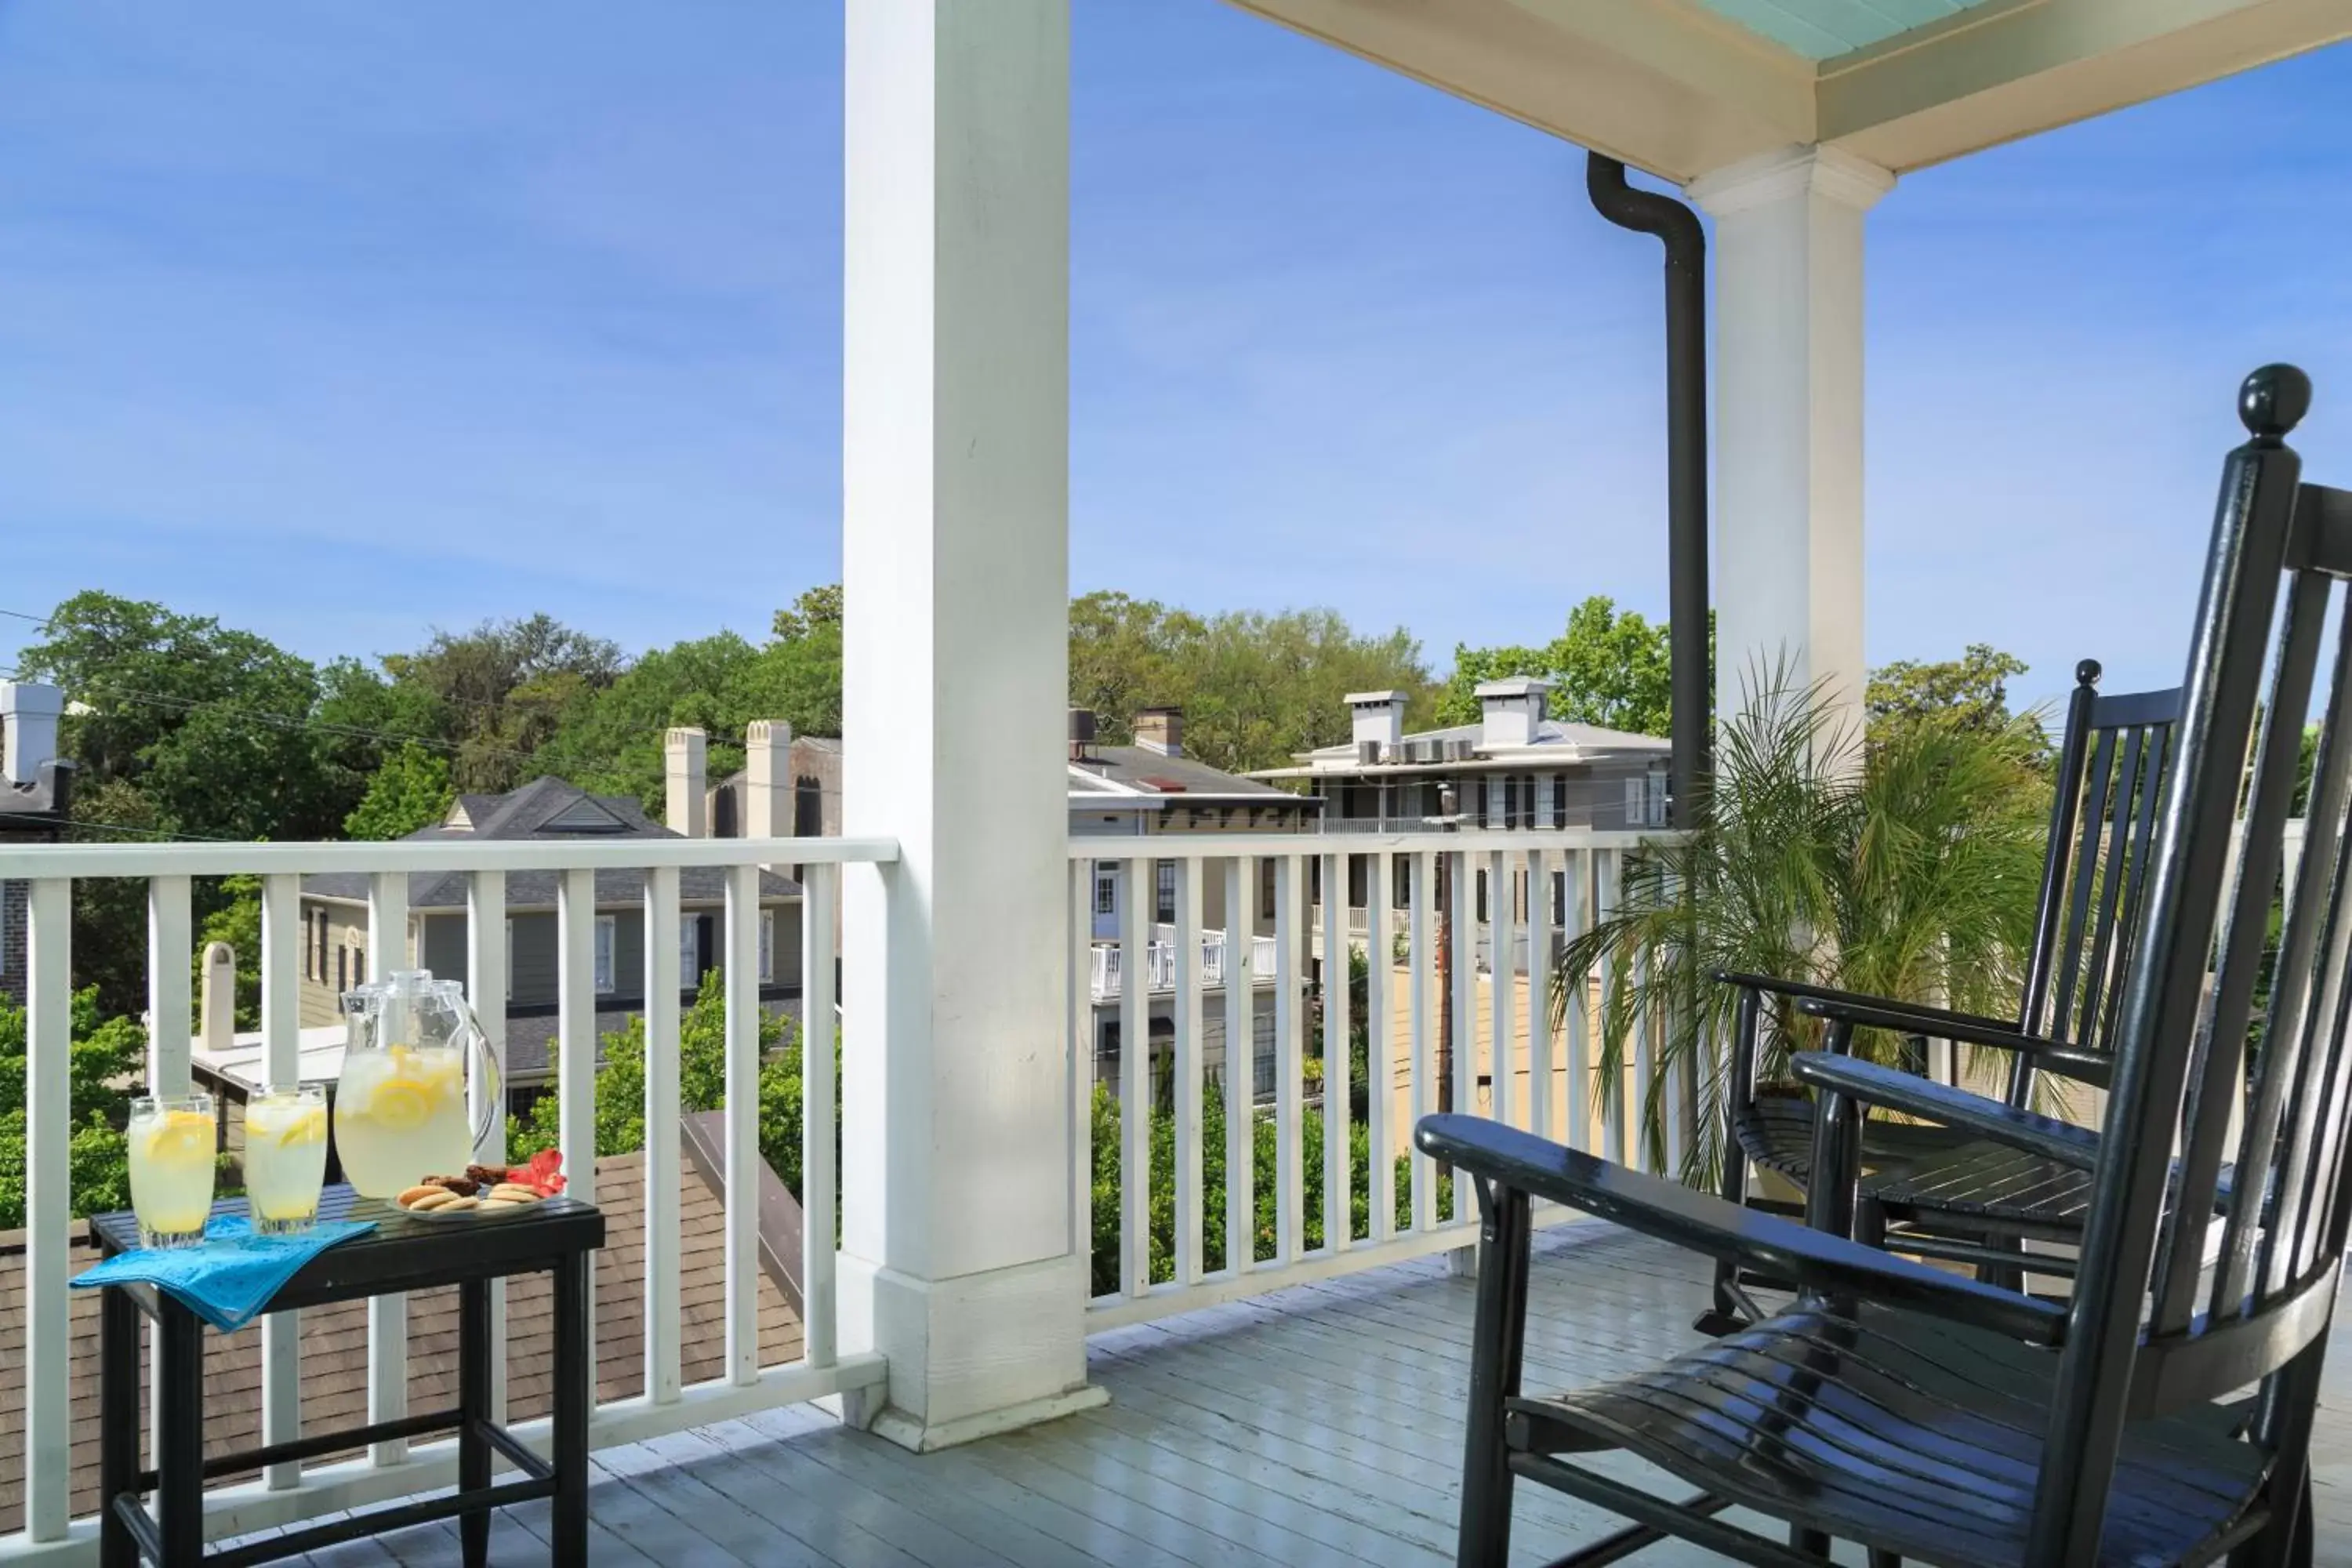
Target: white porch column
point(960, 1261)
point(1788, 418)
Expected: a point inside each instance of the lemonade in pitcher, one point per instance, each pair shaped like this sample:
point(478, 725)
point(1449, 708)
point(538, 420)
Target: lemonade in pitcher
point(400, 1103)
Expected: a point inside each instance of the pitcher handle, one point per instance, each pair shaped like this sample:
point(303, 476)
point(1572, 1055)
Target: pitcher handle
point(490, 1103)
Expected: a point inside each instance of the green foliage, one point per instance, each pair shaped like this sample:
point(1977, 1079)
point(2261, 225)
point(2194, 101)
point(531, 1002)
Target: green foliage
point(1264, 1189)
point(105, 1052)
point(1256, 687)
point(702, 1086)
point(504, 688)
point(1609, 667)
point(409, 791)
point(1969, 693)
point(1906, 868)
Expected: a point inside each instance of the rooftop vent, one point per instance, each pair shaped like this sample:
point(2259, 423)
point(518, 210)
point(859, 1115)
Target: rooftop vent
point(1082, 732)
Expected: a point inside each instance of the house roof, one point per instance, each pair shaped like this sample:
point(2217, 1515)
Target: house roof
point(546, 810)
point(1139, 771)
point(1554, 740)
point(334, 1339)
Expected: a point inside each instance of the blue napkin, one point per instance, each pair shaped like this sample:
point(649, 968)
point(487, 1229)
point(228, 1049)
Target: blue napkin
point(229, 1279)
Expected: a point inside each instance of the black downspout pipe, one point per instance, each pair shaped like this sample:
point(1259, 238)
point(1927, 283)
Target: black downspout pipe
point(1693, 679)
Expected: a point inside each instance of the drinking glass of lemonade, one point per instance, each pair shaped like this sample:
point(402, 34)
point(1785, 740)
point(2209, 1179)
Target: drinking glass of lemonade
point(171, 1143)
point(285, 1157)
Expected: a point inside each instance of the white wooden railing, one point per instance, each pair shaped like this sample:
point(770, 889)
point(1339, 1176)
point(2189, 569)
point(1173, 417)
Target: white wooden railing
point(392, 1470)
point(1108, 967)
point(1543, 1079)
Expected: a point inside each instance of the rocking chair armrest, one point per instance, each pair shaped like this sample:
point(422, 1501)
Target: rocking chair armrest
point(1928, 1020)
point(1894, 1089)
point(1730, 1232)
point(2053, 1056)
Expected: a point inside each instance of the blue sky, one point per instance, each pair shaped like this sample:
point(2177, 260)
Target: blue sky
point(341, 322)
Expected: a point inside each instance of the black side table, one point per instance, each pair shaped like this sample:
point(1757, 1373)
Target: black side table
point(404, 1253)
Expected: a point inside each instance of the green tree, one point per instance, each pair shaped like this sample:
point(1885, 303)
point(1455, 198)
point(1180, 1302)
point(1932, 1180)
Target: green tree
point(106, 1053)
point(1971, 693)
point(211, 725)
point(702, 1086)
point(1610, 666)
point(1256, 687)
point(507, 687)
point(410, 790)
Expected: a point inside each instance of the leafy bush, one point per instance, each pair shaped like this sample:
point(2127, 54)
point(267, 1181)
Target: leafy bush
point(105, 1062)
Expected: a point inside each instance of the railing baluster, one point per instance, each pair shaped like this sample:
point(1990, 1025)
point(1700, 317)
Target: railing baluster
point(1420, 899)
point(1612, 1104)
point(1083, 989)
point(1503, 976)
point(575, 1050)
point(49, 1178)
point(1539, 972)
point(281, 1060)
point(1575, 1093)
point(171, 988)
point(819, 891)
point(1339, 1150)
point(1188, 1005)
point(487, 983)
point(1465, 980)
point(666, 980)
point(742, 1120)
point(1241, 1064)
point(1380, 1054)
point(1135, 1077)
point(1289, 1047)
point(387, 950)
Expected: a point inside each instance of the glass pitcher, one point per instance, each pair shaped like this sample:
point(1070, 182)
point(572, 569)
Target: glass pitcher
point(400, 1102)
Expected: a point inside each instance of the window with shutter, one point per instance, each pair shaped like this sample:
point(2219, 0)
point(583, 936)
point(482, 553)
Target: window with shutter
point(689, 952)
point(1165, 881)
point(343, 969)
point(607, 932)
point(1636, 802)
point(1559, 800)
point(1400, 879)
point(510, 958)
point(1560, 900)
point(767, 947)
point(1105, 889)
point(1482, 897)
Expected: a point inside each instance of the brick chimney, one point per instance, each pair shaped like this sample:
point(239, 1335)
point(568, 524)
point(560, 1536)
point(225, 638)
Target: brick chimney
point(1160, 730)
point(767, 779)
point(685, 754)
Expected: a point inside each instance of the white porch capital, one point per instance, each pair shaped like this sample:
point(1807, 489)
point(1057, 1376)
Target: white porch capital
point(959, 1260)
point(1787, 419)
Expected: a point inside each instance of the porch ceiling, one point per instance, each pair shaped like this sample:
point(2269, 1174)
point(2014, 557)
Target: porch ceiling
point(1683, 86)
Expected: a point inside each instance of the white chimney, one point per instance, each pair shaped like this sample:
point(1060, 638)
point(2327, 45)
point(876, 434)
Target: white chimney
point(768, 779)
point(30, 711)
point(687, 756)
point(217, 1013)
point(1511, 710)
point(1378, 718)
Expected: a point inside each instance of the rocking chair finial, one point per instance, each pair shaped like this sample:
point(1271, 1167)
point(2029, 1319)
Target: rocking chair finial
point(2273, 400)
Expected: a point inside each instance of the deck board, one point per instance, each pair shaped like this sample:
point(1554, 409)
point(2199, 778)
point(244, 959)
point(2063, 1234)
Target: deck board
point(1319, 1424)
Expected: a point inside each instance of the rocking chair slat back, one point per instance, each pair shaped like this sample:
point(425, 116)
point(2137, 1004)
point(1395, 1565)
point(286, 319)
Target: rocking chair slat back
point(2171, 1025)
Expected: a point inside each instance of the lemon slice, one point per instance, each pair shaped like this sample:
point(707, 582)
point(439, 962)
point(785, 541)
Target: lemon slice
point(304, 1130)
point(401, 1104)
point(181, 1135)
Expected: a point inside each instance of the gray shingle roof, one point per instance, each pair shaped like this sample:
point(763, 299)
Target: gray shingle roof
point(546, 810)
point(1140, 768)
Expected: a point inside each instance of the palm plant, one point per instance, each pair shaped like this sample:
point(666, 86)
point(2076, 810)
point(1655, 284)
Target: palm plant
point(1905, 865)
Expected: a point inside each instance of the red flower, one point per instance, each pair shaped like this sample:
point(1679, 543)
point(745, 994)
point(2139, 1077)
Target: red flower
point(545, 1172)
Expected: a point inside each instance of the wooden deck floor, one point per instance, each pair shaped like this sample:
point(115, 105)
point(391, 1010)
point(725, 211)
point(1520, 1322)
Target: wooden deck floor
point(1318, 1425)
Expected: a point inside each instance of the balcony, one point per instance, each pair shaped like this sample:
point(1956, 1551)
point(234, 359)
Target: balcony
point(700, 1327)
point(1108, 964)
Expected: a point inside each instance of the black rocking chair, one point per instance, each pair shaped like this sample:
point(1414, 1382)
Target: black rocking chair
point(1927, 1189)
point(2163, 1414)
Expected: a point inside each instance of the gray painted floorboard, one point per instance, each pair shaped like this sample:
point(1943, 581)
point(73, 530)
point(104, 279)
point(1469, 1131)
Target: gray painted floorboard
point(1321, 1424)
